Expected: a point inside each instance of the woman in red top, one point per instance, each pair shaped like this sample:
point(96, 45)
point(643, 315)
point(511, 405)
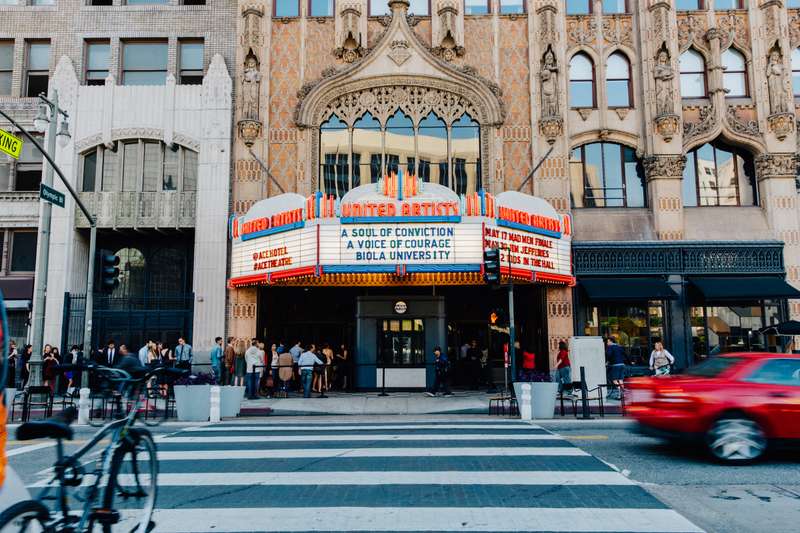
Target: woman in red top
point(528, 365)
point(564, 368)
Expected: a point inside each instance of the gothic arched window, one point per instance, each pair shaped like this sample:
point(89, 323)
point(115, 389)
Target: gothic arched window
point(735, 73)
point(334, 142)
point(619, 91)
point(399, 146)
point(132, 274)
point(606, 175)
point(796, 71)
point(367, 150)
point(693, 74)
point(581, 81)
point(466, 150)
point(717, 174)
point(432, 146)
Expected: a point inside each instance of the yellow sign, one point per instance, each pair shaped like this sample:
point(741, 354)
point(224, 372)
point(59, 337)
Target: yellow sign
point(10, 144)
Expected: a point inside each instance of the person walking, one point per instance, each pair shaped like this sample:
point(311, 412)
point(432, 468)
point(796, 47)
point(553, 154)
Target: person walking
point(229, 357)
point(615, 358)
point(183, 354)
point(306, 364)
point(660, 360)
point(441, 369)
point(216, 359)
point(564, 368)
point(251, 357)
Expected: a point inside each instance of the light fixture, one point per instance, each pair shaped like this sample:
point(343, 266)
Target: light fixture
point(40, 121)
point(63, 134)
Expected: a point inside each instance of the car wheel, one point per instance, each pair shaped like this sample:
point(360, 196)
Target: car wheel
point(736, 440)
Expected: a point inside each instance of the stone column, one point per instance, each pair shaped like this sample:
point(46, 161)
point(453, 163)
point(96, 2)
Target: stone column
point(559, 319)
point(664, 177)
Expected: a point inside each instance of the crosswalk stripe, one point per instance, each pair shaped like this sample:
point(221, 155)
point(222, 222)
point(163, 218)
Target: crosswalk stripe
point(581, 519)
point(366, 437)
point(222, 429)
point(217, 455)
point(200, 479)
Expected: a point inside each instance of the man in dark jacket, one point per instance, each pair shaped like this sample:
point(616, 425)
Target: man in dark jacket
point(615, 359)
point(110, 355)
point(441, 368)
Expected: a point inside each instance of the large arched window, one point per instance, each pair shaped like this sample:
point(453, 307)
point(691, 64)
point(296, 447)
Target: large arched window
point(618, 81)
point(334, 140)
point(132, 275)
point(606, 175)
point(466, 155)
point(719, 175)
point(581, 81)
point(139, 165)
point(796, 71)
point(367, 150)
point(432, 145)
point(735, 74)
point(399, 147)
point(693, 74)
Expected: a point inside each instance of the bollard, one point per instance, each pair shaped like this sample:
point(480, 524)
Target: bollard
point(525, 405)
point(215, 404)
point(83, 406)
point(584, 394)
point(383, 384)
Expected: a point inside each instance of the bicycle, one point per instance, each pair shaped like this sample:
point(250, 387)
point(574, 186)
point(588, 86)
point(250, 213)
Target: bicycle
point(126, 468)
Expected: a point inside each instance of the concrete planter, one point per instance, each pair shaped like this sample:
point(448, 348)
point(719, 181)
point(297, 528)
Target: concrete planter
point(231, 400)
point(536, 400)
point(193, 402)
point(8, 397)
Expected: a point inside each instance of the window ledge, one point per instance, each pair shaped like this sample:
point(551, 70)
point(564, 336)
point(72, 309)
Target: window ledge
point(19, 196)
point(751, 207)
point(607, 209)
point(690, 102)
point(155, 7)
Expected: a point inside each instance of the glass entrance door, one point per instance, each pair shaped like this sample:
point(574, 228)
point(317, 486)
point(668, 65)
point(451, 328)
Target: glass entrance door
point(401, 343)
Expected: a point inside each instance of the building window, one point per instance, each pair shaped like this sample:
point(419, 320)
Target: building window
point(735, 73)
point(23, 251)
point(419, 7)
point(512, 7)
point(146, 2)
point(693, 74)
point(475, 7)
point(606, 175)
point(718, 175)
point(320, 8)
point(194, 2)
point(29, 167)
point(139, 165)
point(465, 145)
point(96, 61)
point(615, 6)
point(689, 5)
point(618, 81)
point(721, 5)
point(723, 329)
point(792, 3)
point(191, 62)
point(101, 2)
point(796, 71)
point(579, 7)
point(37, 73)
point(286, 8)
point(43, 2)
point(581, 81)
point(144, 63)
point(637, 326)
point(6, 66)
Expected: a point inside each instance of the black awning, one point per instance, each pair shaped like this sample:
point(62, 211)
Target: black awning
point(743, 288)
point(633, 288)
point(789, 328)
point(17, 288)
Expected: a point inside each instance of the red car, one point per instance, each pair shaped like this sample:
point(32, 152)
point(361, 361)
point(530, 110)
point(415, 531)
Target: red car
point(736, 404)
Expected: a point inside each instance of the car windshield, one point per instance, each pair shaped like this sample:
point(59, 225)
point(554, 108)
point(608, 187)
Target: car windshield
point(713, 367)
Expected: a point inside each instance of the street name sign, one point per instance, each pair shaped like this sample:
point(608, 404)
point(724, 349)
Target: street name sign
point(10, 144)
point(49, 194)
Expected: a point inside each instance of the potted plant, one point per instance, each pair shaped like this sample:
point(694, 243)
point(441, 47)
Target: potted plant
point(536, 395)
point(193, 397)
point(230, 400)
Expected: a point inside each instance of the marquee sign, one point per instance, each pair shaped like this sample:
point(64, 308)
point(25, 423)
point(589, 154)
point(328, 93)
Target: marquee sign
point(401, 226)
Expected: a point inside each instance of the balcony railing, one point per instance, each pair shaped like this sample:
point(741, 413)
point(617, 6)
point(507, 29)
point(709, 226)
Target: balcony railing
point(130, 209)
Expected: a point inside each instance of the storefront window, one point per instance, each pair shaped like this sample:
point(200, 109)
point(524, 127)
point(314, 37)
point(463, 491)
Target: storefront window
point(402, 342)
point(636, 326)
point(733, 328)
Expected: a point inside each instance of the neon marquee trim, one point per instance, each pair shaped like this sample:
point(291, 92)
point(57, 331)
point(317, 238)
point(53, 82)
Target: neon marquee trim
point(391, 220)
point(273, 231)
point(530, 229)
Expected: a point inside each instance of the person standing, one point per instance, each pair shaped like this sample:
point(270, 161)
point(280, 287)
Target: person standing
point(564, 368)
point(615, 357)
point(109, 356)
point(251, 357)
point(441, 369)
point(274, 364)
point(528, 365)
point(14, 366)
point(239, 364)
point(295, 352)
point(144, 352)
point(306, 364)
point(474, 364)
point(183, 354)
point(216, 359)
point(342, 367)
point(227, 364)
point(660, 360)
point(49, 364)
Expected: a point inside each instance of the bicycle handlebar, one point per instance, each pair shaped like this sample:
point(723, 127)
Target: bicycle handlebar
point(140, 374)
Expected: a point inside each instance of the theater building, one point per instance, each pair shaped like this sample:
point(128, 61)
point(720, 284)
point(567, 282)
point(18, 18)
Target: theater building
point(668, 138)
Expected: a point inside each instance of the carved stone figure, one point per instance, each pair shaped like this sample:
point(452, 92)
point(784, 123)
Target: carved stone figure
point(349, 39)
point(448, 39)
point(775, 82)
point(251, 87)
point(664, 74)
point(549, 79)
point(251, 36)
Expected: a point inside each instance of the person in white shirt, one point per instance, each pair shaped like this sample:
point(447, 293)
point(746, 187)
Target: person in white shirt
point(660, 359)
point(252, 358)
point(306, 363)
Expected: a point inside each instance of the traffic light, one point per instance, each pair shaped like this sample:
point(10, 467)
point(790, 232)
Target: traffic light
point(109, 271)
point(491, 266)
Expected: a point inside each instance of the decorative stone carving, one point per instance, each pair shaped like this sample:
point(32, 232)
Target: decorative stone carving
point(581, 30)
point(349, 37)
point(251, 36)
point(794, 29)
point(622, 112)
point(547, 24)
point(585, 113)
point(781, 124)
point(704, 124)
point(667, 126)
point(733, 29)
point(664, 166)
point(249, 131)
point(776, 166)
point(664, 75)
point(449, 40)
point(778, 102)
point(618, 29)
point(549, 84)
point(740, 125)
point(251, 87)
point(399, 52)
point(691, 31)
point(660, 22)
point(551, 128)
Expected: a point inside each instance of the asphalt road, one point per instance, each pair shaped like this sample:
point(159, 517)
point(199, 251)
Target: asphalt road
point(758, 498)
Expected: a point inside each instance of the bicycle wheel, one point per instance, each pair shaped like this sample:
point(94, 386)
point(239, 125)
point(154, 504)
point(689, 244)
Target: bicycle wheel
point(132, 481)
point(27, 516)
